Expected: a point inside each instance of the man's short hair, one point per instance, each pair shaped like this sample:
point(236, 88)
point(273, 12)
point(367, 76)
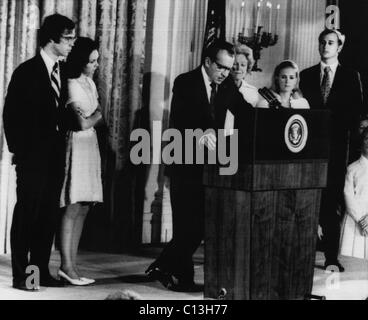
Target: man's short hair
point(212, 50)
point(340, 36)
point(53, 27)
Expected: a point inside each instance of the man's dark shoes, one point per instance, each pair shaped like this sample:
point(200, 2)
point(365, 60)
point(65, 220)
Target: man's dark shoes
point(155, 273)
point(334, 266)
point(49, 281)
point(21, 285)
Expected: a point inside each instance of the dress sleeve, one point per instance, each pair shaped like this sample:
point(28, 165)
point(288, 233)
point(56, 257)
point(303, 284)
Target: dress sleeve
point(300, 103)
point(73, 92)
point(353, 206)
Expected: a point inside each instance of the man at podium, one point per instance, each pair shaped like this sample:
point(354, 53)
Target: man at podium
point(201, 100)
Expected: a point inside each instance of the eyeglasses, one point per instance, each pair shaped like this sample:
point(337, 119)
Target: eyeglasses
point(69, 39)
point(221, 67)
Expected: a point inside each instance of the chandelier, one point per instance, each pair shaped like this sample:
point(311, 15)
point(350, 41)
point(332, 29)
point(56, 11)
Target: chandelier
point(262, 34)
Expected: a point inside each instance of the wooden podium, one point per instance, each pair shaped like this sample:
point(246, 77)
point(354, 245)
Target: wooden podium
point(261, 223)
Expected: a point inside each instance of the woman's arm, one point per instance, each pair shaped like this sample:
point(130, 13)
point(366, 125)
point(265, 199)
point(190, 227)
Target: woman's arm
point(353, 206)
point(86, 122)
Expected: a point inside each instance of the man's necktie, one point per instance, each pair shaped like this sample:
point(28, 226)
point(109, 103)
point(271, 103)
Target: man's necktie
point(55, 82)
point(212, 98)
point(326, 83)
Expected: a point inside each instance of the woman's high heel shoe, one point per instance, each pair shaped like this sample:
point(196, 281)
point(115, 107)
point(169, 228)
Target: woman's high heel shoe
point(88, 280)
point(74, 282)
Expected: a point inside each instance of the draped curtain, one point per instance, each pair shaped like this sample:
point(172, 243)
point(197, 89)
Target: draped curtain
point(119, 27)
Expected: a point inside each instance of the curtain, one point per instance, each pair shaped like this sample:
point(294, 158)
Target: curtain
point(119, 27)
point(177, 42)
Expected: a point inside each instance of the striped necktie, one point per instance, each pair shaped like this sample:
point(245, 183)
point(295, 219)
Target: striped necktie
point(326, 83)
point(55, 82)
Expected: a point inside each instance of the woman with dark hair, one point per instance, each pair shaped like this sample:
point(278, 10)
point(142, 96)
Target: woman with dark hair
point(82, 183)
point(285, 87)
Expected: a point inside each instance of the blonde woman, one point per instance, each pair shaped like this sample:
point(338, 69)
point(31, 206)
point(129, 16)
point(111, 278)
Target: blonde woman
point(285, 87)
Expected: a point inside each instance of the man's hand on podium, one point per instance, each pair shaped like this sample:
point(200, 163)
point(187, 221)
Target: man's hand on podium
point(209, 140)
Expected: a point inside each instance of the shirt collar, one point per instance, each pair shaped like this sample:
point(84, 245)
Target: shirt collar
point(206, 78)
point(332, 66)
point(50, 62)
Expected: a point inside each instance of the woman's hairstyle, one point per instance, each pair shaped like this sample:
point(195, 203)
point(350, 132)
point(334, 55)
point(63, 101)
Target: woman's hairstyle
point(248, 54)
point(283, 65)
point(53, 27)
point(79, 56)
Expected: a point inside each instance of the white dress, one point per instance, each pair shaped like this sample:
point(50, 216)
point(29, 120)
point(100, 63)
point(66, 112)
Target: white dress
point(352, 242)
point(299, 103)
point(82, 181)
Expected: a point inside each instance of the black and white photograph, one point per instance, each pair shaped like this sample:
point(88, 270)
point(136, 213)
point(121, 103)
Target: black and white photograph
point(202, 151)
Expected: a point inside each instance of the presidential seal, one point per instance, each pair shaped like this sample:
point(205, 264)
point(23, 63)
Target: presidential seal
point(296, 133)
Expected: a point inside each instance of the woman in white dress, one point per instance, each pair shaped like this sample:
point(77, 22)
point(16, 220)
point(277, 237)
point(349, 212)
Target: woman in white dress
point(82, 183)
point(285, 87)
point(242, 68)
point(354, 236)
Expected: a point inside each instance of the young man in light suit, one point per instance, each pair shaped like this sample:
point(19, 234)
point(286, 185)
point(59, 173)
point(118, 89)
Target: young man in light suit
point(328, 85)
point(33, 123)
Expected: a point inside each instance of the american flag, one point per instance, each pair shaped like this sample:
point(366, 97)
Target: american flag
point(215, 27)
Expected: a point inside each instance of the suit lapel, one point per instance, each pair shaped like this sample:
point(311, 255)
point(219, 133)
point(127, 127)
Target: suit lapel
point(201, 94)
point(317, 83)
point(45, 79)
point(337, 84)
point(201, 88)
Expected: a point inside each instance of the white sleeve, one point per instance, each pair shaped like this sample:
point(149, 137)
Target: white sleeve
point(73, 92)
point(353, 206)
point(300, 103)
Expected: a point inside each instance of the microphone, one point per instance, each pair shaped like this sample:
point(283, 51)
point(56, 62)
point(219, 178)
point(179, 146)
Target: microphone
point(270, 98)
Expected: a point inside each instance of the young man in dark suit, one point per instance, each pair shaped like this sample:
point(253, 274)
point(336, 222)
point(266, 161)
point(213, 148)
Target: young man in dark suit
point(329, 85)
point(33, 113)
point(201, 100)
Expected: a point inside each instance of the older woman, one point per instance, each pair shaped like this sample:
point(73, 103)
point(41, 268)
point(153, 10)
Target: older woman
point(243, 64)
point(285, 87)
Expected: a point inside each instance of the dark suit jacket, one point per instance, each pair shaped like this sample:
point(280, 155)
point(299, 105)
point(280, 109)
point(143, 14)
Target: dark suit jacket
point(346, 104)
point(190, 109)
point(30, 114)
point(345, 100)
